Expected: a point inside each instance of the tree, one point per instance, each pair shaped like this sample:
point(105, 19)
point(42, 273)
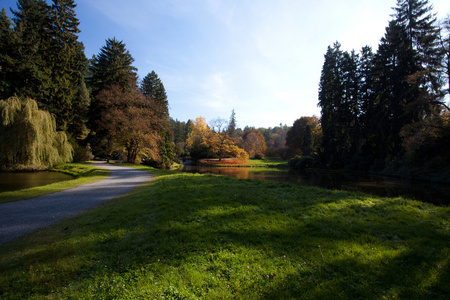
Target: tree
point(30, 76)
point(231, 130)
point(153, 87)
point(444, 38)
point(66, 61)
point(301, 135)
point(28, 136)
point(253, 142)
point(6, 56)
point(197, 140)
point(130, 122)
point(112, 66)
point(422, 34)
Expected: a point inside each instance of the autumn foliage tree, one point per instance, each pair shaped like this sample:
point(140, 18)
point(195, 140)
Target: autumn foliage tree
point(130, 122)
point(206, 142)
point(253, 142)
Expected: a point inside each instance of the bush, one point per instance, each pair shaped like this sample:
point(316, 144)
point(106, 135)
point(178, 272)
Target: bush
point(81, 154)
point(259, 155)
point(301, 162)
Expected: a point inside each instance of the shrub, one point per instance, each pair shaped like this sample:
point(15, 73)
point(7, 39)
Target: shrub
point(259, 155)
point(301, 162)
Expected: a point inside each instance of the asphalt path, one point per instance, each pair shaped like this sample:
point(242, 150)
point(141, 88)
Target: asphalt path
point(25, 216)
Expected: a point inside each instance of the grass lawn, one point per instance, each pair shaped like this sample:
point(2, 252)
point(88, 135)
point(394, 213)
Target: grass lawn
point(213, 237)
point(251, 163)
point(82, 174)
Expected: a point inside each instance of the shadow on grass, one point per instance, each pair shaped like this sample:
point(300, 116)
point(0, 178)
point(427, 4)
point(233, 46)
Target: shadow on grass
point(217, 237)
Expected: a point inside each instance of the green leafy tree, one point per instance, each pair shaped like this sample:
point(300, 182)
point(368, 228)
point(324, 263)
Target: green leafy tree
point(301, 136)
point(28, 136)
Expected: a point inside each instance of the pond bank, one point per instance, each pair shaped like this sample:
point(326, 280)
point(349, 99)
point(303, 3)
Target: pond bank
point(437, 194)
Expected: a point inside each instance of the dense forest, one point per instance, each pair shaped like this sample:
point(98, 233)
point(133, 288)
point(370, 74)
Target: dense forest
point(382, 110)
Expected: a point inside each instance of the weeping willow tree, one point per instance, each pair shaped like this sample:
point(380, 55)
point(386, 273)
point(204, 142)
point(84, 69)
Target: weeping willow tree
point(28, 137)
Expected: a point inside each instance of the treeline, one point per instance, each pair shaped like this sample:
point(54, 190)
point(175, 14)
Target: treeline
point(387, 109)
point(256, 142)
point(98, 104)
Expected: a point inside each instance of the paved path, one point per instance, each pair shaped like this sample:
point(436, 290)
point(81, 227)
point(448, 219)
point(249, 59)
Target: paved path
point(25, 216)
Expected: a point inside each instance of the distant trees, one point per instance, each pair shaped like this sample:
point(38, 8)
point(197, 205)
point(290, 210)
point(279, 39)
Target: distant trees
point(28, 137)
point(377, 106)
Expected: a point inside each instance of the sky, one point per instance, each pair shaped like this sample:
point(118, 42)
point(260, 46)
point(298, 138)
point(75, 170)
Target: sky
point(262, 58)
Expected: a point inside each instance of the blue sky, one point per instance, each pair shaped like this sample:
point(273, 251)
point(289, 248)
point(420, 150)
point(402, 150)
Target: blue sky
point(262, 58)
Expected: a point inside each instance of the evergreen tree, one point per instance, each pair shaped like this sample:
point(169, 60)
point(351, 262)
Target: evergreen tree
point(6, 56)
point(153, 87)
point(66, 59)
point(31, 76)
point(416, 18)
point(338, 102)
point(112, 66)
point(232, 124)
point(444, 38)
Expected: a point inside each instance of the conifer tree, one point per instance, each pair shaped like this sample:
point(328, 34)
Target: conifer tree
point(232, 124)
point(153, 87)
point(66, 59)
point(112, 66)
point(31, 75)
point(6, 56)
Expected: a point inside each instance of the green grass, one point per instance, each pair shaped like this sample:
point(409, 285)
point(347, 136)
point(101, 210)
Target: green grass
point(211, 237)
point(268, 162)
point(83, 174)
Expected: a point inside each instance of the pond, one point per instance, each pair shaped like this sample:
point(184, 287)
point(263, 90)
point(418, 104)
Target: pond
point(26, 180)
point(435, 193)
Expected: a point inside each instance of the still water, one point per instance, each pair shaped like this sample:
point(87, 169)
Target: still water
point(438, 194)
point(26, 180)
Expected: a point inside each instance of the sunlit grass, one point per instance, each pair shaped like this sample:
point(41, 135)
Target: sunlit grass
point(213, 237)
point(83, 174)
point(268, 162)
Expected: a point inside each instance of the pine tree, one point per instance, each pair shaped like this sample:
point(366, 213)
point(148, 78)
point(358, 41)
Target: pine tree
point(32, 74)
point(112, 66)
point(232, 124)
point(66, 62)
point(153, 87)
point(6, 56)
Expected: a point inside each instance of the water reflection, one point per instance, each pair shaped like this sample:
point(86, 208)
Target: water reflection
point(26, 180)
point(438, 194)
